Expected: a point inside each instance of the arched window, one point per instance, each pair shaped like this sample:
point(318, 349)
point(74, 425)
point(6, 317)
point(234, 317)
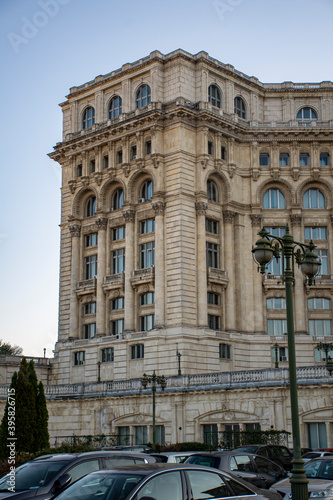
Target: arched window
point(214, 96)
point(274, 198)
point(240, 107)
point(143, 96)
point(88, 117)
point(115, 108)
point(211, 190)
point(91, 207)
point(146, 191)
point(118, 199)
point(313, 198)
point(306, 114)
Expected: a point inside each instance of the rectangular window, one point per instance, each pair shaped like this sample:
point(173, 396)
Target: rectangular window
point(91, 267)
point(147, 226)
point(319, 303)
point(91, 239)
point(284, 160)
point(320, 327)
point(106, 161)
point(212, 254)
point(108, 355)
point(90, 308)
point(276, 303)
point(160, 434)
point(133, 153)
point(212, 226)
point(118, 303)
point(264, 159)
point(147, 255)
point(276, 326)
point(148, 147)
point(317, 435)
point(137, 351)
point(210, 148)
point(225, 351)
point(79, 358)
point(117, 326)
point(223, 153)
point(213, 298)
point(281, 352)
point(323, 257)
point(147, 322)
point(124, 435)
point(118, 261)
point(89, 330)
point(79, 170)
point(92, 166)
point(141, 434)
point(119, 156)
point(119, 233)
point(315, 233)
point(324, 159)
point(210, 434)
point(320, 355)
point(213, 322)
point(304, 159)
point(147, 298)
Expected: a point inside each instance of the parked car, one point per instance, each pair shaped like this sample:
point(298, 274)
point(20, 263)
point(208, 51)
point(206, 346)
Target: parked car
point(162, 481)
point(175, 457)
point(255, 469)
point(316, 454)
point(46, 476)
point(320, 475)
point(281, 455)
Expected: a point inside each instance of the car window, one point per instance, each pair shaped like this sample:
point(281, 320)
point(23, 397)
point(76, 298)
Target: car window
point(82, 469)
point(312, 468)
point(165, 486)
point(207, 485)
point(311, 455)
point(32, 475)
point(284, 451)
point(238, 488)
point(266, 466)
point(263, 452)
point(110, 462)
point(206, 460)
point(241, 463)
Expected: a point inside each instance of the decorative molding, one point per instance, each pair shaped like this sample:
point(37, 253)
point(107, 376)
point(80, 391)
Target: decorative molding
point(158, 207)
point(75, 230)
point(204, 161)
point(101, 223)
point(156, 159)
point(256, 219)
point(129, 215)
point(98, 177)
point(296, 219)
point(126, 169)
point(228, 216)
point(295, 173)
point(231, 169)
point(256, 173)
point(72, 185)
point(85, 180)
point(201, 207)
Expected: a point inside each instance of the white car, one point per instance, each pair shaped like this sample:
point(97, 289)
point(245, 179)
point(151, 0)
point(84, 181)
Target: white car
point(310, 455)
point(173, 457)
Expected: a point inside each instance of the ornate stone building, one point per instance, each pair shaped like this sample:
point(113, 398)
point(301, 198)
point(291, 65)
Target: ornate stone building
point(171, 165)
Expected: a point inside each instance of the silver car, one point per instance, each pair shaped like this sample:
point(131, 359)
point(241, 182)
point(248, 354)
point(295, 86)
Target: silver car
point(320, 475)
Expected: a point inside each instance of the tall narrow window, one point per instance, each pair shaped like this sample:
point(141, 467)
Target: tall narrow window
point(107, 355)
point(212, 255)
point(147, 254)
point(148, 147)
point(143, 96)
point(213, 322)
point(323, 257)
point(115, 108)
point(264, 159)
point(91, 267)
point(91, 207)
point(118, 199)
point(147, 322)
point(118, 261)
point(117, 326)
point(92, 166)
point(211, 190)
point(79, 358)
point(324, 159)
point(89, 330)
point(304, 159)
point(240, 107)
point(79, 170)
point(284, 160)
point(88, 117)
point(146, 191)
point(210, 148)
point(119, 156)
point(214, 96)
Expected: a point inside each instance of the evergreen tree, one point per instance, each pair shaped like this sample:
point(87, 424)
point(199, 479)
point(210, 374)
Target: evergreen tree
point(4, 421)
point(25, 409)
point(42, 433)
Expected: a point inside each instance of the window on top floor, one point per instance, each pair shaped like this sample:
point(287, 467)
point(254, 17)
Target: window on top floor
point(91, 206)
point(313, 198)
point(240, 107)
point(88, 119)
point(211, 190)
point(264, 159)
point(115, 108)
point(214, 96)
point(304, 159)
point(118, 199)
point(143, 96)
point(146, 193)
point(274, 199)
point(324, 159)
point(284, 160)
point(307, 114)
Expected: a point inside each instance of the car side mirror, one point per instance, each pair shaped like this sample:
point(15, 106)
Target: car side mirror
point(61, 482)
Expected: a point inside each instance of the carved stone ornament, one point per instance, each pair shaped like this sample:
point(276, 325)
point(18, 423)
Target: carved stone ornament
point(98, 177)
point(126, 169)
point(75, 230)
point(256, 219)
point(275, 173)
point(296, 219)
point(85, 180)
point(201, 207)
point(228, 216)
point(158, 207)
point(72, 185)
point(129, 215)
point(255, 174)
point(231, 169)
point(295, 172)
point(101, 222)
point(204, 161)
point(315, 173)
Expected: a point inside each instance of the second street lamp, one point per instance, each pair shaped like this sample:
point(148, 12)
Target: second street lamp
point(304, 256)
point(154, 380)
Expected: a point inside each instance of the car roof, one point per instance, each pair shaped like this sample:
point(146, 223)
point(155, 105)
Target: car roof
point(147, 469)
point(89, 454)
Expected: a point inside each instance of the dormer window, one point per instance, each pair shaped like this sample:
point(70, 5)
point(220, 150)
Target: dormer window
point(307, 114)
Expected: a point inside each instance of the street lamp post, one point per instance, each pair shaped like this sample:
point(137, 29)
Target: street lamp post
point(154, 380)
point(304, 256)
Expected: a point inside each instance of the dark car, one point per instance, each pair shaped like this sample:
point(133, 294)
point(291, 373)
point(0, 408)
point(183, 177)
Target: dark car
point(281, 455)
point(44, 477)
point(162, 481)
point(255, 469)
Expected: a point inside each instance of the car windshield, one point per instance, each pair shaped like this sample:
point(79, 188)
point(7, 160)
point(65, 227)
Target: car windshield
point(319, 469)
point(249, 449)
point(206, 460)
point(31, 475)
point(113, 486)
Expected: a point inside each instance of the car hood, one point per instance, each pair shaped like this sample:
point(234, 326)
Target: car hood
point(284, 486)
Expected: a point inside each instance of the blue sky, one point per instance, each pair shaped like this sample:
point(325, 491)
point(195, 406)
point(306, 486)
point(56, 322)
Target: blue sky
point(48, 46)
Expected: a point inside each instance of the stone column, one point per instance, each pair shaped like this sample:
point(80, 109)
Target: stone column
point(258, 316)
point(129, 216)
point(299, 290)
point(75, 231)
point(159, 207)
point(229, 255)
point(201, 208)
point(101, 224)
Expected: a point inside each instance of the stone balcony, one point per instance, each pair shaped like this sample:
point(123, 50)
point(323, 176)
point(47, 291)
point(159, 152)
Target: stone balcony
point(114, 282)
point(86, 287)
point(143, 276)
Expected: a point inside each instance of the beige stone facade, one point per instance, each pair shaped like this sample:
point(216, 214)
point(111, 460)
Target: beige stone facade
point(171, 165)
